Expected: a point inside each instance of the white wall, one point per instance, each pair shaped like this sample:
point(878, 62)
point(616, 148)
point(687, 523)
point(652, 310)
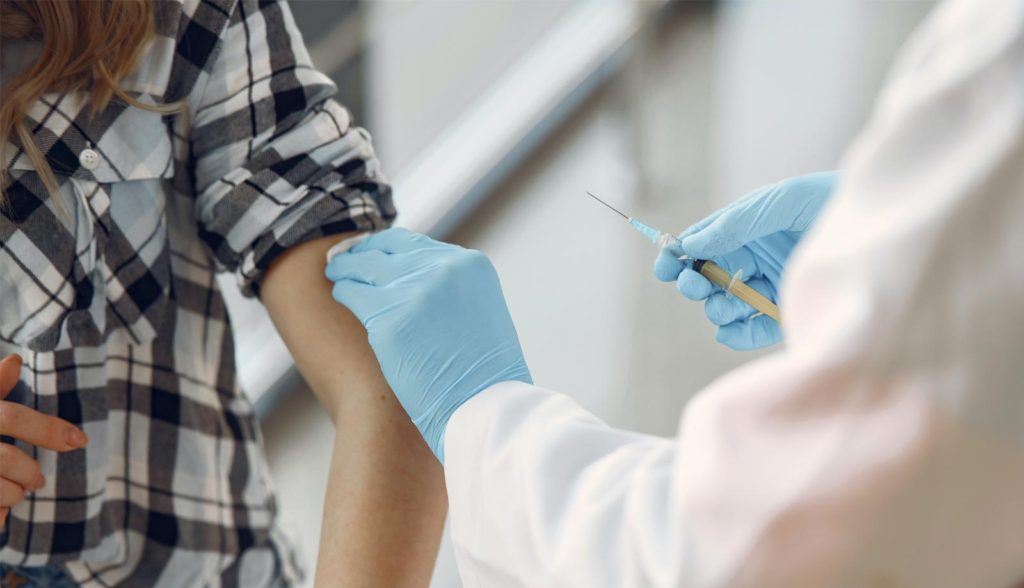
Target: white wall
point(428, 60)
point(793, 82)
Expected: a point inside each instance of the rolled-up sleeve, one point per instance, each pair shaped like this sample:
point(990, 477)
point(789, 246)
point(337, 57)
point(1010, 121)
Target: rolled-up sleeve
point(276, 160)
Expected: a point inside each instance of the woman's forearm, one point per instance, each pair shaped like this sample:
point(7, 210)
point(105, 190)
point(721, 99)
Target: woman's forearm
point(385, 502)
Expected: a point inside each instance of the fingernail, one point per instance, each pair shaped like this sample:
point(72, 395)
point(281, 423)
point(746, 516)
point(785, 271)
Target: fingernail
point(76, 438)
point(40, 481)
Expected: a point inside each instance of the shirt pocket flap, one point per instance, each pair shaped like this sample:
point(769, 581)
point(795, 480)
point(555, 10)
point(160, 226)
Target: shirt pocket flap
point(135, 145)
point(76, 273)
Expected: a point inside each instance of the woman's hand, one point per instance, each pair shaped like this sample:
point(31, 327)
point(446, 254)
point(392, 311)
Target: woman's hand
point(19, 473)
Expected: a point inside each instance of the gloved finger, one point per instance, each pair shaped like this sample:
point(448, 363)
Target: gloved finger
point(764, 287)
point(372, 267)
point(397, 240)
point(748, 335)
point(693, 285)
point(667, 266)
point(364, 300)
point(740, 260)
point(723, 308)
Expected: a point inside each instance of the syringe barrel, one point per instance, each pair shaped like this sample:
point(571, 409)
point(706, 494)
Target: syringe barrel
point(718, 276)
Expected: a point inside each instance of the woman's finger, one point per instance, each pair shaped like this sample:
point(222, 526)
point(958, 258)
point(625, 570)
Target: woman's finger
point(10, 373)
point(3, 515)
point(36, 428)
point(10, 493)
point(18, 467)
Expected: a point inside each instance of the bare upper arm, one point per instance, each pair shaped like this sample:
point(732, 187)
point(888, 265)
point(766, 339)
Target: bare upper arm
point(328, 343)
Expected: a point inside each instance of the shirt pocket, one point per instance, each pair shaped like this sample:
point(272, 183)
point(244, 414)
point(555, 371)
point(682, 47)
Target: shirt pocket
point(91, 263)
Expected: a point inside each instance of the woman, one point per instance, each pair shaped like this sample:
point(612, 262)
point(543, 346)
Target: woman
point(148, 146)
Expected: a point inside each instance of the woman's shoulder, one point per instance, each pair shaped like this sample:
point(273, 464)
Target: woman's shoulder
point(177, 18)
point(185, 44)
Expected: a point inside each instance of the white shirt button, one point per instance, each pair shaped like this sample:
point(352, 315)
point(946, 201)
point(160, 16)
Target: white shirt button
point(89, 159)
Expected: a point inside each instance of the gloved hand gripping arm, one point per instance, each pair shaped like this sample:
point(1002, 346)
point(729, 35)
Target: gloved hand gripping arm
point(436, 320)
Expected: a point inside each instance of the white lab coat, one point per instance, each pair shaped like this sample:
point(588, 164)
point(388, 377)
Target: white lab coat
point(882, 446)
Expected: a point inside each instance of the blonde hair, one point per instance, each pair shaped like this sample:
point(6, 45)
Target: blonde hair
point(87, 46)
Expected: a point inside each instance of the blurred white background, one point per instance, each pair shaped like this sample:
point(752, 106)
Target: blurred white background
point(669, 111)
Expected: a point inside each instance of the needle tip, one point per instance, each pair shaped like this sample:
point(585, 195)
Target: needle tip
point(616, 210)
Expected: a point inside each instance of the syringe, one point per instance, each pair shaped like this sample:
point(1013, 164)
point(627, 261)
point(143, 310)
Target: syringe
point(732, 284)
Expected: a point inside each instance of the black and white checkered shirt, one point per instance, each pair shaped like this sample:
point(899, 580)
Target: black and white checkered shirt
point(108, 293)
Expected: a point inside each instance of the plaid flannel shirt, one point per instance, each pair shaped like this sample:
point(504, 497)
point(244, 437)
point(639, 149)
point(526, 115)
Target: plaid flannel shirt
point(108, 293)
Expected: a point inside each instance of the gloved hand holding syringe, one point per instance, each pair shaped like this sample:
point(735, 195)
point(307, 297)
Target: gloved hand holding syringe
point(731, 283)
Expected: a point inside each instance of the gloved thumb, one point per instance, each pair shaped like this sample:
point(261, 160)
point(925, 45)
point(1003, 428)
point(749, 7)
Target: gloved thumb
point(748, 219)
point(363, 300)
point(791, 204)
point(714, 240)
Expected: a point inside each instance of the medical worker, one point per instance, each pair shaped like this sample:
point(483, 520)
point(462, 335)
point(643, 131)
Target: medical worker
point(881, 445)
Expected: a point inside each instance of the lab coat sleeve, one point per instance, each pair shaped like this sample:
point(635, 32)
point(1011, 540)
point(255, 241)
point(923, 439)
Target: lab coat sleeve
point(882, 446)
point(555, 465)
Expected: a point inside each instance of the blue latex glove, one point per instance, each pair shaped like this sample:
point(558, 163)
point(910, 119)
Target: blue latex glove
point(436, 319)
point(755, 234)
